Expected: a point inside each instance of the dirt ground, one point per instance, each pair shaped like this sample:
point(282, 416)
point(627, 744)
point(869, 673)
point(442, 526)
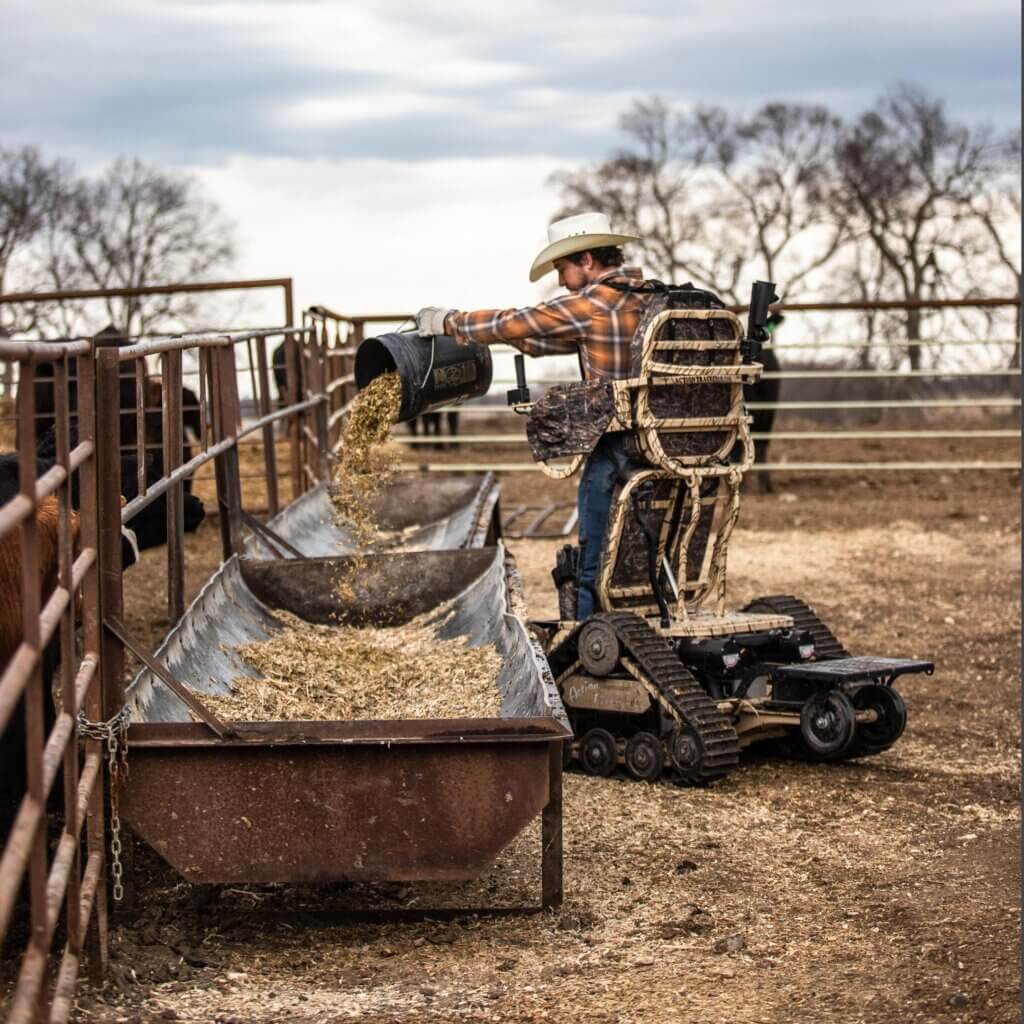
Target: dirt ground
point(879, 890)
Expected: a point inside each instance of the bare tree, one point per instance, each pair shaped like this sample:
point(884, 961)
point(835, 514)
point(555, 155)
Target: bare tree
point(722, 199)
point(859, 274)
point(777, 172)
point(657, 189)
point(32, 191)
point(909, 175)
point(136, 225)
point(998, 209)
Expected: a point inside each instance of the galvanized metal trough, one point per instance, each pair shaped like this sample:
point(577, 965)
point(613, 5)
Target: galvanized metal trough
point(357, 800)
point(450, 510)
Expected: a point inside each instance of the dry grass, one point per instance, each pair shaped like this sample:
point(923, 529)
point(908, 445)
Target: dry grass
point(336, 673)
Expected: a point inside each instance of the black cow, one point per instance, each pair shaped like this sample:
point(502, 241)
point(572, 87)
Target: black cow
point(279, 361)
point(765, 391)
point(148, 527)
point(45, 402)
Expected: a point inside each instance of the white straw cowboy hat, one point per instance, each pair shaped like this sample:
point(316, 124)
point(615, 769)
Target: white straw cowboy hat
point(575, 234)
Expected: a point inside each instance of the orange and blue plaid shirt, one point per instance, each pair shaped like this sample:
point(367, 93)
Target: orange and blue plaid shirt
point(597, 322)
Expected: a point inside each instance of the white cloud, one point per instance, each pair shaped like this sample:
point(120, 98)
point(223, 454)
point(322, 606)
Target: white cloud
point(363, 236)
point(323, 111)
point(356, 37)
point(188, 81)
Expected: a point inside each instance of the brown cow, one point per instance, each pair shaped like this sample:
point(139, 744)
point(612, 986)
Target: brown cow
point(47, 526)
point(13, 779)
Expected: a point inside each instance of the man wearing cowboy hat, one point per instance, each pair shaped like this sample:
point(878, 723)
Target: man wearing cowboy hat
point(596, 320)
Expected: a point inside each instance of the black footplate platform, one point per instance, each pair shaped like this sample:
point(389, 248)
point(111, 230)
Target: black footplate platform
point(850, 670)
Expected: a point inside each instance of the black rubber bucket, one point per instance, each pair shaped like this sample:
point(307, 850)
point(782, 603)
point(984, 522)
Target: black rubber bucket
point(435, 372)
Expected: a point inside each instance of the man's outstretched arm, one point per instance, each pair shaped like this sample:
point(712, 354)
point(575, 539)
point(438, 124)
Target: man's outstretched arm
point(551, 328)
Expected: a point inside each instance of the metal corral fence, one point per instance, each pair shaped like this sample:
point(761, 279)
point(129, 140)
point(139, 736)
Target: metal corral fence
point(116, 413)
point(42, 744)
point(823, 394)
point(268, 378)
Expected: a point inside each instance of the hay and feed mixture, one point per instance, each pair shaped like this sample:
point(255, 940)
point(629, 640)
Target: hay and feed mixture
point(367, 461)
point(337, 673)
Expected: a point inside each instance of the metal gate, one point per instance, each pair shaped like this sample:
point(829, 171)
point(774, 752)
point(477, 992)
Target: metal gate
point(49, 558)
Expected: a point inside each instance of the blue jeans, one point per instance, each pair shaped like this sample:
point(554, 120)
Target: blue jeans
point(593, 507)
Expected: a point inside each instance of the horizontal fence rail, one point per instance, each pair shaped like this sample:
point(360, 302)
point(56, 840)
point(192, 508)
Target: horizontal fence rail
point(186, 287)
point(775, 435)
point(347, 331)
point(910, 403)
point(825, 375)
point(765, 467)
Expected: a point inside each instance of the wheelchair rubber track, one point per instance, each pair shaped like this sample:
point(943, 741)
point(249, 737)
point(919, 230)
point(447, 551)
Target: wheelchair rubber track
point(682, 697)
point(681, 694)
point(826, 645)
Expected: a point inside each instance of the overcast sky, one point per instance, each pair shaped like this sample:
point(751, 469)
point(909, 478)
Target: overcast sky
point(388, 154)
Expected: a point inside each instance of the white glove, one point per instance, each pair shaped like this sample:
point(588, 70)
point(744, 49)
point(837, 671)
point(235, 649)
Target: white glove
point(430, 320)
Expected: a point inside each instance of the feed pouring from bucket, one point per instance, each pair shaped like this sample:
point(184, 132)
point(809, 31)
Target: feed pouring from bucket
point(366, 461)
point(434, 372)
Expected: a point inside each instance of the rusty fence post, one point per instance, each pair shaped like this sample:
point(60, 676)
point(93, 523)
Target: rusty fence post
point(355, 340)
point(296, 387)
point(216, 417)
point(95, 938)
point(38, 947)
point(334, 370)
point(226, 419)
point(173, 440)
point(111, 582)
point(264, 407)
point(68, 702)
point(318, 385)
point(108, 492)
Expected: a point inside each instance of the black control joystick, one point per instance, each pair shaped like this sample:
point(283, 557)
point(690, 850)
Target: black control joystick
point(520, 394)
point(762, 295)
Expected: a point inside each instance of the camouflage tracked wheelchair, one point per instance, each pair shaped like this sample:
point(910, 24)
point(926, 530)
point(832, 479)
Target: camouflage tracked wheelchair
point(663, 678)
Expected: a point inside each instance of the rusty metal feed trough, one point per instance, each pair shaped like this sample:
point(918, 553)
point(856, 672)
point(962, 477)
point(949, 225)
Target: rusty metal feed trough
point(455, 511)
point(355, 800)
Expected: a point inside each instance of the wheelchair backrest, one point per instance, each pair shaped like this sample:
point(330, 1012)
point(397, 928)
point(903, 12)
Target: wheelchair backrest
point(683, 406)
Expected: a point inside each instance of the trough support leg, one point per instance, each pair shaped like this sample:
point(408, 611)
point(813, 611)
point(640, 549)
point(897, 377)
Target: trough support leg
point(551, 832)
